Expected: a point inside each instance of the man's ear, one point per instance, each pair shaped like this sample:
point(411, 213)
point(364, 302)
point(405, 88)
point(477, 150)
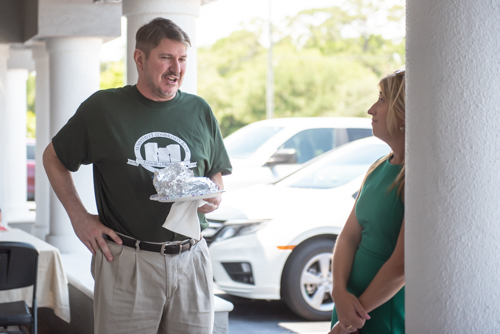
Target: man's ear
point(139, 58)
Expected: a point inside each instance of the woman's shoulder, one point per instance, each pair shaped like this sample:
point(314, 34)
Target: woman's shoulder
point(380, 161)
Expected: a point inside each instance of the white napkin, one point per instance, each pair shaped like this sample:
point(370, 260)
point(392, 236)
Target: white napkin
point(183, 218)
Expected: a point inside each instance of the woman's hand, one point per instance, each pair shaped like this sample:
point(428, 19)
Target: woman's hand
point(338, 329)
point(350, 311)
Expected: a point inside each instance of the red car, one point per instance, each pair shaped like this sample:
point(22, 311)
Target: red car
point(30, 150)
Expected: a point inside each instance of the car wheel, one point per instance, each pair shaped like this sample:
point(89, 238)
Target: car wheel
point(306, 283)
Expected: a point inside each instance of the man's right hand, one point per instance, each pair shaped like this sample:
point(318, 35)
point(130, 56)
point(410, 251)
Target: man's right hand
point(89, 230)
point(88, 227)
point(350, 312)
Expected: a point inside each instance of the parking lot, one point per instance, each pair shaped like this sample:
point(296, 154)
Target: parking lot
point(268, 317)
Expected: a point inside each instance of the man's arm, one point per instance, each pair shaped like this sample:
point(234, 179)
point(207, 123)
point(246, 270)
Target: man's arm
point(87, 227)
point(217, 179)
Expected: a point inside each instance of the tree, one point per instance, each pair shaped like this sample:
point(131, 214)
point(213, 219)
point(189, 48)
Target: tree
point(352, 28)
point(30, 115)
point(112, 74)
point(314, 78)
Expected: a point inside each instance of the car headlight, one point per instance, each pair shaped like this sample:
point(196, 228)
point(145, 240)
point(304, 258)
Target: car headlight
point(233, 229)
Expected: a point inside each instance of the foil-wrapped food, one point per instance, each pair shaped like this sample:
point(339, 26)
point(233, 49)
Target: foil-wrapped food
point(178, 181)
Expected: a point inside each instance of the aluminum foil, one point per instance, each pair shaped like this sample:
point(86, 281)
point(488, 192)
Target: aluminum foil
point(176, 181)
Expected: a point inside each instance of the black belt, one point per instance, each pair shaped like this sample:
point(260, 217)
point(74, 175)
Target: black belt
point(153, 247)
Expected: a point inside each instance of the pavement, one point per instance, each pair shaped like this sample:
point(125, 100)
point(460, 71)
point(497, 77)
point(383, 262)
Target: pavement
point(268, 317)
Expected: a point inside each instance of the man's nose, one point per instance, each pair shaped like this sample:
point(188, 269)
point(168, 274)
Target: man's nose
point(175, 67)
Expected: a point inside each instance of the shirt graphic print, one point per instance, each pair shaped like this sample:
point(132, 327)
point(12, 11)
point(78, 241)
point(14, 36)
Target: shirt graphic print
point(157, 157)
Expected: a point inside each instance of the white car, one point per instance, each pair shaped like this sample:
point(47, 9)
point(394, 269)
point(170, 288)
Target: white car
point(275, 241)
point(266, 151)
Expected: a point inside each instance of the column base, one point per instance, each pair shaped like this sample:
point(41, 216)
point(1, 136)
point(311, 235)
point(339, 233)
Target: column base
point(40, 232)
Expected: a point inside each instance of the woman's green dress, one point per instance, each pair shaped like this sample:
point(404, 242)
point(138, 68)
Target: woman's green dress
point(380, 212)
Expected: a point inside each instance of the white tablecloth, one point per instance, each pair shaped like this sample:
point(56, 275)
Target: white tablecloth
point(52, 285)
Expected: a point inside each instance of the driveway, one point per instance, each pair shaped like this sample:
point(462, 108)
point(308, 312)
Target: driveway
point(268, 317)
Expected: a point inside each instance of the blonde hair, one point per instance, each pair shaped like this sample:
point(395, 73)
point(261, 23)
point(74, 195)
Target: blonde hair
point(393, 90)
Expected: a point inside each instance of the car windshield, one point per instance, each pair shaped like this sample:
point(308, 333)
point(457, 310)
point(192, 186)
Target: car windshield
point(337, 168)
point(244, 142)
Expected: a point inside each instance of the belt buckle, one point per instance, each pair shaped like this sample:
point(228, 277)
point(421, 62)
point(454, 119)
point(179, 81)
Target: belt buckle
point(162, 251)
point(190, 242)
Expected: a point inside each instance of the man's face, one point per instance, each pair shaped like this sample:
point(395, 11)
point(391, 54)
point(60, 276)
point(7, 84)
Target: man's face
point(163, 71)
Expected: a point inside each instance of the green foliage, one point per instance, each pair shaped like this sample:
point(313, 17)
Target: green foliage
point(309, 84)
point(31, 124)
point(30, 115)
point(317, 70)
point(112, 74)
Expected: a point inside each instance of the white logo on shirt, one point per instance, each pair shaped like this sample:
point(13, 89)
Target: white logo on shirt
point(160, 157)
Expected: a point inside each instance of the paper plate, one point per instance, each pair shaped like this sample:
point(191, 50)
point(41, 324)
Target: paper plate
point(164, 199)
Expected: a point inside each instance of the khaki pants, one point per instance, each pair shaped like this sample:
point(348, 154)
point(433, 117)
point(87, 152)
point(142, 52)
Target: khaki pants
point(149, 293)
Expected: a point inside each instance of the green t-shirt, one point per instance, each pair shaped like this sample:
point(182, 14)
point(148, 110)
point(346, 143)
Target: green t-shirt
point(127, 137)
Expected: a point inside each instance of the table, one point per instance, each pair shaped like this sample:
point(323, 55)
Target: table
point(52, 284)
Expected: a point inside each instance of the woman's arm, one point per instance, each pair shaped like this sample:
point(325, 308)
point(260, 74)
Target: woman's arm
point(349, 310)
point(389, 279)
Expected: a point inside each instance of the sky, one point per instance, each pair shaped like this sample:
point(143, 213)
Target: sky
point(219, 18)
point(231, 13)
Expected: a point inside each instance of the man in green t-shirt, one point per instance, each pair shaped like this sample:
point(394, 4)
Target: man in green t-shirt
point(147, 278)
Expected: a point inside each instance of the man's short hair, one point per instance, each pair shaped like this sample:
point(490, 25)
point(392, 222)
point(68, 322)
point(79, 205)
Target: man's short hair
point(150, 35)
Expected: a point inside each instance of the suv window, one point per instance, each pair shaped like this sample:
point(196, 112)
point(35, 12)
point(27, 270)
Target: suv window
point(355, 134)
point(311, 143)
point(244, 142)
point(341, 167)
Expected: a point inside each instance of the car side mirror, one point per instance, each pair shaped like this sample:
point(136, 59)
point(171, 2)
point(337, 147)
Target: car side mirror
point(282, 157)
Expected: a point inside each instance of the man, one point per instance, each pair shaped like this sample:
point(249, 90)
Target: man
point(147, 279)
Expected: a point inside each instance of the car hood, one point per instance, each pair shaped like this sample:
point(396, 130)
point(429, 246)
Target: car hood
point(272, 202)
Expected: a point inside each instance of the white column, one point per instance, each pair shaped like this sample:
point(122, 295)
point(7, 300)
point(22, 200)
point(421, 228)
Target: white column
point(42, 107)
point(74, 76)
point(181, 12)
point(14, 139)
point(4, 55)
point(453, 162)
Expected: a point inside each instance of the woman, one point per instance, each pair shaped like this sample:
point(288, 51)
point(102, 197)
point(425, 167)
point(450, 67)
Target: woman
point(368, 260)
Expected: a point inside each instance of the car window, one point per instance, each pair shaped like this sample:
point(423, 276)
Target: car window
point(338, 168)
point(244, 142)
point(355, 133)
point(310, 143)
point(30, 152)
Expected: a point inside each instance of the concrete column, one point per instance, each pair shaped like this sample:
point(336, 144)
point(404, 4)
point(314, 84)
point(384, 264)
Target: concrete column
point(14, 140)
point(453, 162)
point(74, 76)
point(4, 56)
point(42, 107)
point(182, 12)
